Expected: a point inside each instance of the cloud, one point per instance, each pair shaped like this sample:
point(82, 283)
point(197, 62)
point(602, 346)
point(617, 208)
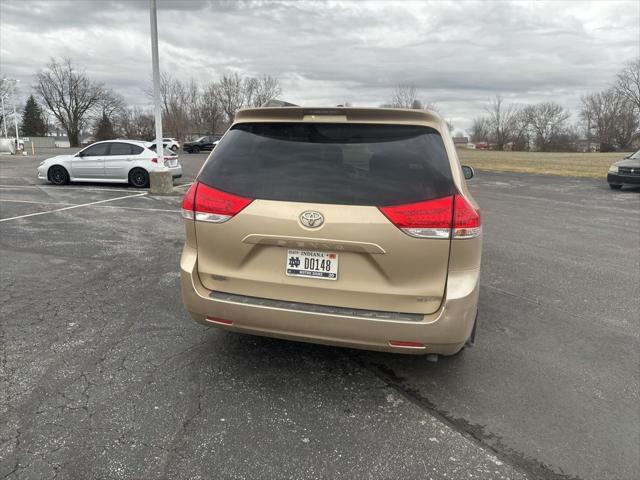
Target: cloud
point(457, 54)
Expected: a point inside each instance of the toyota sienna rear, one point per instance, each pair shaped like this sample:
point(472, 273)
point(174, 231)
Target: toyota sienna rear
point(348, 226)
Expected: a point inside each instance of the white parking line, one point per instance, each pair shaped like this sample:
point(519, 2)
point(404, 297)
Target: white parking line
point(95, 206)
point(90, 189)
point(72, 207)
point(31, 201)
point(139, 208)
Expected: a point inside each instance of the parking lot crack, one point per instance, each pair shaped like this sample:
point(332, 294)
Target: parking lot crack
point(491, 442)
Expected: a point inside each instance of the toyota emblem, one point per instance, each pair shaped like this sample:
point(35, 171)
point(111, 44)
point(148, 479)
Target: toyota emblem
point(311, 219)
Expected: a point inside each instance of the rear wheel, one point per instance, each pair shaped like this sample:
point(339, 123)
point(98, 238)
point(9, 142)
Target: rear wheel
point(139, 178)
point(472, 338)
point(615, 186)
point(58, 175)
point(195, 150)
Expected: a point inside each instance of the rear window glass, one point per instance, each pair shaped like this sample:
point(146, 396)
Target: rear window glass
point(121, 148)
point(349, 164)
point(96, 150)
point(165, 151)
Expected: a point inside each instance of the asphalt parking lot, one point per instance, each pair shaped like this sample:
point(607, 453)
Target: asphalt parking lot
point(105, 376)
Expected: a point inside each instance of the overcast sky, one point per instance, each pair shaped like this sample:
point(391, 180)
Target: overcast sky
point(458, 54)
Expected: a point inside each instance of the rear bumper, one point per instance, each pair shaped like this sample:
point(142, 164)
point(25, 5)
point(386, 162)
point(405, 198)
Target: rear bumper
point(443, 332)
point(617, 179)
point(176, 172)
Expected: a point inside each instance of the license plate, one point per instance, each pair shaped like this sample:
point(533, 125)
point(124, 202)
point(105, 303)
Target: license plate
point(311, 264)
point(172, 163)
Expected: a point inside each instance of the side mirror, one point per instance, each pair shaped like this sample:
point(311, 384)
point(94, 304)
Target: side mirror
point(468, 172)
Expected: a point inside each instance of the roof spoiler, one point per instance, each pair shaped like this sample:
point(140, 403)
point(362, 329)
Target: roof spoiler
point(296, 114)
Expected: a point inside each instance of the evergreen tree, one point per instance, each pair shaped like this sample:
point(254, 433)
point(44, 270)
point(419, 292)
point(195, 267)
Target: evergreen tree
point(104, 129)
point(32, 121)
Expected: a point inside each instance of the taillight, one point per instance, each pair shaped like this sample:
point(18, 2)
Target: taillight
point(436, 218)
point(189, 201)
point(466, 219)
point(206, 204)
point(428, 219)
point(154, 160)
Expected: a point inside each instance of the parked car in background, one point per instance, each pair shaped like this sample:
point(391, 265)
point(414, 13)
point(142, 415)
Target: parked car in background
point(625, 172)
point(356, 231)
point(171, 144)
point(111, 161)
point(205, 143)
point(169, 155)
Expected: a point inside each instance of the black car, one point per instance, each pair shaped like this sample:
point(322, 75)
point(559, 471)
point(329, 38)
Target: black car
point(205, 143)
point(625, 172)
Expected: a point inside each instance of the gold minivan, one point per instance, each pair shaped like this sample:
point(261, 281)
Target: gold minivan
point(343, 226)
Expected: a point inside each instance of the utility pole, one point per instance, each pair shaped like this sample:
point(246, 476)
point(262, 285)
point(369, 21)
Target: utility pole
point(15, 122)
point(156, 81)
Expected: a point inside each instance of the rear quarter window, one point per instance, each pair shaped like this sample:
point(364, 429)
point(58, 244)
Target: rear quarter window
point(350, 164)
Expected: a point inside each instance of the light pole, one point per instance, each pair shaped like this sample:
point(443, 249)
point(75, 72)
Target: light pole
point(156, 81)
point(15, 122)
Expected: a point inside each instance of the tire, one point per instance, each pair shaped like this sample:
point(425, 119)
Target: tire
point(472, 338)
point(614, 186)
point(139, 178)
point(470, 341)
point(195, 150)
point(58, 175)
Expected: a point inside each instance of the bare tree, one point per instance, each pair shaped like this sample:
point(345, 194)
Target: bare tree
point(404, 96)
point(547, 120)
point(627, 124)
point(135, 123)
point(479, 131)
point(109, 104)
point(433, 106)
point(108, 112)
point(259, 90)
point(628, 83)
point(69, 94)
point(174, 96)
point(7, 89)
point(211, 118)
point(521, 137)
point(231, 95)
point(502, 121)
point(612, 117)
point(189, 107)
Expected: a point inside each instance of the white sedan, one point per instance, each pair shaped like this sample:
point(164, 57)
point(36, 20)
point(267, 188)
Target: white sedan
point(171, 143)
point(111, 161)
